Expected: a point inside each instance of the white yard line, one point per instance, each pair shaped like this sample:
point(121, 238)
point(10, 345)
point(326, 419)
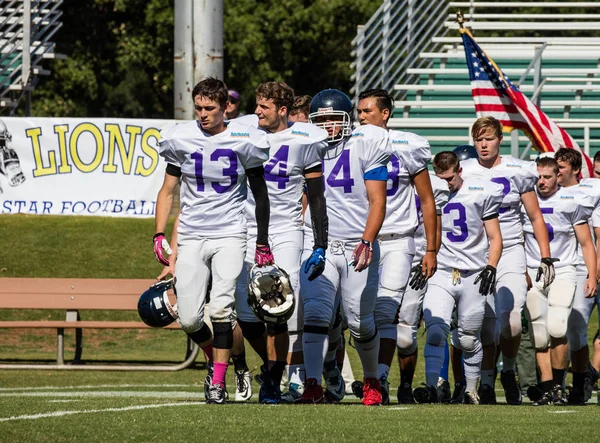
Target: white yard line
point(562, 412)
point(42, 388)
point(95, 411)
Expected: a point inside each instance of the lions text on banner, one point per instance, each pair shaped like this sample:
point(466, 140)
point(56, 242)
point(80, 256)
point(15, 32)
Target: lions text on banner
point(495, 95)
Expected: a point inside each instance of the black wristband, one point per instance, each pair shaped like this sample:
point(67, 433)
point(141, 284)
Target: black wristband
point(365, 242)
point(158, 234)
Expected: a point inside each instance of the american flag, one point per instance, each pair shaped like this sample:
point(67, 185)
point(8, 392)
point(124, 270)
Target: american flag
point(495, 95)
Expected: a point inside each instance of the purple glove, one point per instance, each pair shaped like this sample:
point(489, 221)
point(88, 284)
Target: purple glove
point(160, 243)
point(263, 256)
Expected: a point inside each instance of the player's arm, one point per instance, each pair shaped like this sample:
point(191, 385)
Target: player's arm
point(422, 184)
point(315, 193)
point(376, 192)
point(532, 207)
point(170, 269)
point(438, 237)
point(597, 235)
point(584, 237)
point(258, 186)
point(164, 203)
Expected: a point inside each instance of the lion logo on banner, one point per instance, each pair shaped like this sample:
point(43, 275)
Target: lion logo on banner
point(10, 166)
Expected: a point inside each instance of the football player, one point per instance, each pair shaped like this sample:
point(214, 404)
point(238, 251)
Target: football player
point(397, 312)
point(297, 151)
point(300, 109)
point(566, 212)
point(212, 160)
point(355, 170)
point(569, 169)
point(468, 257)
point(518, 179)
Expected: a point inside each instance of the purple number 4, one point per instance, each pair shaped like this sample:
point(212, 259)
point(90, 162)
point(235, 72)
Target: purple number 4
point(343, 165)
point(281, 158)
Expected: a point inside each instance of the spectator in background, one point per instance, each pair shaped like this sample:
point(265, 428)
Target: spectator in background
point(233, 106)
point(300, 109)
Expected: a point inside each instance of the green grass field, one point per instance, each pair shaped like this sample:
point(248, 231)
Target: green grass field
point(55, 406)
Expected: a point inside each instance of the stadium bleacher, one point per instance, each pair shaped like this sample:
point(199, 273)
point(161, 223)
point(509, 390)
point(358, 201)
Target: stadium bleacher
point(433, 94)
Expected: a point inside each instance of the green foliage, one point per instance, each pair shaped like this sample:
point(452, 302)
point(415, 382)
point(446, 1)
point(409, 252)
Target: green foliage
point(120, 53)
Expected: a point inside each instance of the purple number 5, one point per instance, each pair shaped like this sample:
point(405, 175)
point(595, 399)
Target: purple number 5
point(460, 222)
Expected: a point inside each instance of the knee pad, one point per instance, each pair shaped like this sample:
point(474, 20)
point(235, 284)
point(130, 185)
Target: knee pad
point(191, 325)
point(488, 331)
point(202, 335)
point(469, 342)
point(316, 315)
point(437, 334)
point(388, 331)
point(223, 336)
point(276, 329)
point(406, 341)
point(252, 330)
point(558, 320)
point(510, 324)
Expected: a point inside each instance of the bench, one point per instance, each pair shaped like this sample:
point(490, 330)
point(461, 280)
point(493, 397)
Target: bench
point(73, 295)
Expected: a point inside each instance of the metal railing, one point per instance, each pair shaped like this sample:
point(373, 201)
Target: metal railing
point(391, 41)
point(26, 31)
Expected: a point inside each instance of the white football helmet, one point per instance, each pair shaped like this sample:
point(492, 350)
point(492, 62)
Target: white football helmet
point(270, 294)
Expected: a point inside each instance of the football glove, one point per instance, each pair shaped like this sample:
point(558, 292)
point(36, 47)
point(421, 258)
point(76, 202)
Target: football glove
point(160, 243)
point(315, 264)
point(263, 256)
point(546, 270)
point(362, 255)
point(487, 277)
point(418, 280)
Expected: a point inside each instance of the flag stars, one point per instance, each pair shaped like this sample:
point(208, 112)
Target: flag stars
point(475, 64)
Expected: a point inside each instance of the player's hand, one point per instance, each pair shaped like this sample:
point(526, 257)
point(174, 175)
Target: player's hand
point(546, 270)
point(167, 270)
point(429, 264)
point(362, 256)
point(487, 277)
point(528, 280)
point(315, 264)
point(417, 278)
point(263, 256)
point(160, 243)
point(590, 288)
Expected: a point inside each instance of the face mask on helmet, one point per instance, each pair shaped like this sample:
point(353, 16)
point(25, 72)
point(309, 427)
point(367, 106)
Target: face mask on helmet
point(154, 306)
point(332, 110)
point(270, 294)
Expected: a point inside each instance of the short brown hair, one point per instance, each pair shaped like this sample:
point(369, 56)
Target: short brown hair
point(279, 92)
point(301, 105)
point(570, 156)
point(482, 124)
point(445, 161)
point(548, 162)
point(213, 89)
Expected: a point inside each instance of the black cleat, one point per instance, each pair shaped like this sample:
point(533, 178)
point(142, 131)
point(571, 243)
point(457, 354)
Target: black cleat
point(487, 395)
point(458, 396)
point(591, 378)
point(546, 399)
point(534, 393)
point(357, 388)
point(405, 395)
point(576, 397)
point(426, 394)
point(511, 387)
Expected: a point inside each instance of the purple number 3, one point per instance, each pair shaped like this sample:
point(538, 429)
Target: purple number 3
point(460, 222)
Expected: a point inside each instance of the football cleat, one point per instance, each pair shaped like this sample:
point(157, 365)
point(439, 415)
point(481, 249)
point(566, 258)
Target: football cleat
point(243, 385)
point(534, 393)
point(335, 388)
point(487, 395)
point(511, 387)
point(385, 391)
point(216, 395)
point(269, 393)
point(372, 392)
point(576, 397)
point(546, 399)
point(405, 395)
point(443, 391)
point(591, 378)
point(471, 398)
point(313, 392)
point(357, 388)
point(559, 396)
point(458, 396)
point(208, 379)
point(293, 394)
point(426, 394)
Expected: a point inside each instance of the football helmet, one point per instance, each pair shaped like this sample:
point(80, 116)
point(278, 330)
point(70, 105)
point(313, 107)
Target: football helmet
point(154, 306)
point(270, 294)
point(334, 103)
point(465, 152)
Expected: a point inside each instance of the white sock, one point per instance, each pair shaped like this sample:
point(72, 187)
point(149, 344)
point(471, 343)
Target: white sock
point(472, 366)
point(508, 363)
point(487, 377)
point(369, 354)
point(434, 360)
point(296, 374)
point(383, 370)
point(315, 348)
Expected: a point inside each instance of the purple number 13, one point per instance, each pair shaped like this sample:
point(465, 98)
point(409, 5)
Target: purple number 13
point(460, 222)
point(228, 172)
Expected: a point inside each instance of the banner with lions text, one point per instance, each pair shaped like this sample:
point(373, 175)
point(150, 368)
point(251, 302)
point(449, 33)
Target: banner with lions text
point(73, 166)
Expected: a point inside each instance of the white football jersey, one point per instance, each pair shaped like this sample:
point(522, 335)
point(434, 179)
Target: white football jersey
point(440, 194)
point(591, 188)
point(516, 177)
point(464, 242)
point(213, 181)
point(300, 147)
point(410, 154)
point(564, 209)
point(344, 169)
